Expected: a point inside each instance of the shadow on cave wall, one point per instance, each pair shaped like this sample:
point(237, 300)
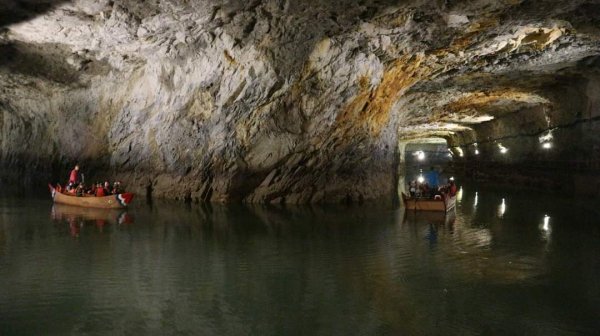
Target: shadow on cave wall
point(42, 61)
point(15, 11)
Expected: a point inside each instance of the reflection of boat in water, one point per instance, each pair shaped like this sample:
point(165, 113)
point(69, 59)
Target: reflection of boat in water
point(70, 213)
point(431, 217)
point(117, 201)
point(444, 204)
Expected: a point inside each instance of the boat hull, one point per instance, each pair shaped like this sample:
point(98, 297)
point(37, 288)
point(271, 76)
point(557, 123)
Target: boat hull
point(417, 204)
point(118, 201)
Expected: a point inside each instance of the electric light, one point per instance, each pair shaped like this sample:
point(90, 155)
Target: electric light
point(547, 145)
point(503, 149)
point(459, 151)
point(477, 152)
point(420, 179)
point(420, 155)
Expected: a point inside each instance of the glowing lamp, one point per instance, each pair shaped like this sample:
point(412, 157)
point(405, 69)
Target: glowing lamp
point(459, 151)
point(420, 179)
point(503, 149)
point(547, 145)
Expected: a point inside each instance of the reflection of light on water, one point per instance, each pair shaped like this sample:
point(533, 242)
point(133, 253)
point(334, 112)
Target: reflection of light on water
point(481, 238)
point(546, 229)
point(476, 200)
point(502, 209)
point(459, 194)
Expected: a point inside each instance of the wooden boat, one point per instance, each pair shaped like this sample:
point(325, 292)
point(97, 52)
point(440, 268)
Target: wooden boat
point(427, 217)
point(117, 201)
point(444, 204)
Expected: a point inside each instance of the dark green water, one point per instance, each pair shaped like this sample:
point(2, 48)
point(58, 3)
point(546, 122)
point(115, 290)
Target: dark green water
point(528, 267)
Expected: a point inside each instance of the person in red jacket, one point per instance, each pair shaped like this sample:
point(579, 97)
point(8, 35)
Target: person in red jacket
point(452, 187)
point(75, 176)
point(99, 190)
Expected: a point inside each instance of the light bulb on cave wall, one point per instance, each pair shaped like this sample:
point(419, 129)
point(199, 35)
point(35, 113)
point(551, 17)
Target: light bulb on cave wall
point(503, 150)
point(459, 151)
point(546, 140)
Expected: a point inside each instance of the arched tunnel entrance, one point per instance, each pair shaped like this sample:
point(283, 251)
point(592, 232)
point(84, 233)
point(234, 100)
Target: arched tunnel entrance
point(420, 155)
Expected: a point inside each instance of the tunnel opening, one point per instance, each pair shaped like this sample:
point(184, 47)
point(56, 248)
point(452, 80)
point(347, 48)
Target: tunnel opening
point(418, 156)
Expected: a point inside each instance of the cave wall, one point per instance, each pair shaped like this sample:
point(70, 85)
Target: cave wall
point(274, 100)
point(568, 124)
point(230, 102)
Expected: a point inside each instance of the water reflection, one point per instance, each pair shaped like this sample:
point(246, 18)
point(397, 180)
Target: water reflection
point(459, 194)
point(225, 270)
point(79, 217)
point(502, 208)
point(545, 228)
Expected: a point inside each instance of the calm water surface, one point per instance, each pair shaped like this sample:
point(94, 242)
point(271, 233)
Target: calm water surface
point(505, 263)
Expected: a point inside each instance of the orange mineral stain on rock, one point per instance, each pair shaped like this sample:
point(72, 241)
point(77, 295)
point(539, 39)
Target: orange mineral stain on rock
point(371, 108)
point(483, 101)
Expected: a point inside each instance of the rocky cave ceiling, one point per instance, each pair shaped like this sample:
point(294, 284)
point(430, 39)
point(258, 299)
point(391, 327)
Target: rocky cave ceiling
point(473, 60)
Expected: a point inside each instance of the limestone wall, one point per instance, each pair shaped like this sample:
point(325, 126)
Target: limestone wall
point(274, 100)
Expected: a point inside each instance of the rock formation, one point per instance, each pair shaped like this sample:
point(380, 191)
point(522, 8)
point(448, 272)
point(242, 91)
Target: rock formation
point(279, 100)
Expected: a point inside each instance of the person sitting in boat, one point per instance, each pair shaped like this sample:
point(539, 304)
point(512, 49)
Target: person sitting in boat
point(412, 188)
point(432, 178)
point(118, 189)
point(452, 188)
point(92, 190)
point(424, 187)
point(70, 188)
point(58, 187)
point(107, 188)
point(75, 177)
point(79, 191)
point(99, 190)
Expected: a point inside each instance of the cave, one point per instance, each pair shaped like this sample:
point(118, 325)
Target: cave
point(267, 150)
point(298, 102)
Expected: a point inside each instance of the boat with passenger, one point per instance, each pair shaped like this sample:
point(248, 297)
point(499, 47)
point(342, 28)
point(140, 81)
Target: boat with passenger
point(115, 201)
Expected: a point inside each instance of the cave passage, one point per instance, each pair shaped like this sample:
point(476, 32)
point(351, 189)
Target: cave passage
point(266, 144)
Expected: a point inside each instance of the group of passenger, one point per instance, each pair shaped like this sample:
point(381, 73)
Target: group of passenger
point(429, 187)
point(77, 187)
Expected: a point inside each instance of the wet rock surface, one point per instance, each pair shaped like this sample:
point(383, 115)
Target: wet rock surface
point(280, 101)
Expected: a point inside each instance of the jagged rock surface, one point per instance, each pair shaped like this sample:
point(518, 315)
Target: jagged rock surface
point(276, 100)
